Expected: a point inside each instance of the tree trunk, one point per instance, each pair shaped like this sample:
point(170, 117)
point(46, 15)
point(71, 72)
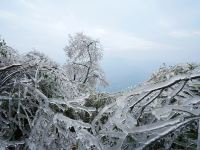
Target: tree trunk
point(86, 77)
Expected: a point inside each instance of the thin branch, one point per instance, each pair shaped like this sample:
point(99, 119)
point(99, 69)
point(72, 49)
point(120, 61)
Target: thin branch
point(9, 67)
point(168, 131)
point(145, 105)
point(185, 78)
point(131, 108)
point(185, 111)
point(184, 83)
point(80, 64)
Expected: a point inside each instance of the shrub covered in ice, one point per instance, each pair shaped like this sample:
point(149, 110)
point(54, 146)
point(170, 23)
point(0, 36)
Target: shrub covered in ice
point(42, 108)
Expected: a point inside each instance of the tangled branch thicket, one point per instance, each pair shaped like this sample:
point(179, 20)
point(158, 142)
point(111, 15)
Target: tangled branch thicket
point(40, 108)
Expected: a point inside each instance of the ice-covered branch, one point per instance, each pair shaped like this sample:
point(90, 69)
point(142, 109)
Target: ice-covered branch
point(9, 67)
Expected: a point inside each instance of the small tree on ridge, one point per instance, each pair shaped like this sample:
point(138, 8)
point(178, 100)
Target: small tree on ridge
point(83, 56)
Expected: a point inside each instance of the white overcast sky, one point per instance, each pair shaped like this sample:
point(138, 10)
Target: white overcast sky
point(137, 35)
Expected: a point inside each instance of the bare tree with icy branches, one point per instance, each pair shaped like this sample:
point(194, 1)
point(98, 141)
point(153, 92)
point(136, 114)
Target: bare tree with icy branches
point(83, 56)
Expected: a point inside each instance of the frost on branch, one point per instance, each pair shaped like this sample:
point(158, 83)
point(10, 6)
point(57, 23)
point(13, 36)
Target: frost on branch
point(42, 107)
point(154, 115)
point(50, 77)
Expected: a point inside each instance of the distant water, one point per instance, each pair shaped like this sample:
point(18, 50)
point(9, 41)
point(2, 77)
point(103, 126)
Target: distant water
point(122, 82)
point(128, 70)
point(123, 75)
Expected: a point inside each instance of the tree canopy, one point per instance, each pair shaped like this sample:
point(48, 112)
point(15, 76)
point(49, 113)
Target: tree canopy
point(83, 58)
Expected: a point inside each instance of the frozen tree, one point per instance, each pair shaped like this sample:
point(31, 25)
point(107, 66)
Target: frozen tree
point(83, 56)
point(7, 54)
